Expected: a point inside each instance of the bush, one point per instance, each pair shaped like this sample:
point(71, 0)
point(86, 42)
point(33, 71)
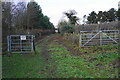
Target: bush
point(67, 29)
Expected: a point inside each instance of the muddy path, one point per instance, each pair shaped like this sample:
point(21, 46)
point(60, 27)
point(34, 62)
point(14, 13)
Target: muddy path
point(43, 44)
point(45, 54)
point(65, 43)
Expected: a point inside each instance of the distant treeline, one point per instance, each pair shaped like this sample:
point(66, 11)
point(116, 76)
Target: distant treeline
point(106, 19)
point(102, 16)
point(24, 16)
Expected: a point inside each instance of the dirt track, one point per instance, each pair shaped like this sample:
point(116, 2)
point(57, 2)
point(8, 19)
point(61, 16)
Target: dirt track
point(46, 56)
point(60, 41)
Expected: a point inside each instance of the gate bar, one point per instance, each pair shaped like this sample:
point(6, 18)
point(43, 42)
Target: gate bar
point(110, 38)
point(92, 38)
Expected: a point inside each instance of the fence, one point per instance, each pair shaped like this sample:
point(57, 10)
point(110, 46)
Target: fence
point(101, 37)
point(102, 26)
point(20, 43)
point(72, 37)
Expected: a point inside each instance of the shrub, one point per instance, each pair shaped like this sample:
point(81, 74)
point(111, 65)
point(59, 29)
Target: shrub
point(67, 29)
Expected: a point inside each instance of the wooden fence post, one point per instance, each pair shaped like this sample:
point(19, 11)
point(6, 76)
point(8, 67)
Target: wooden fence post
point(34, 44)
point(79, 40)
point(100, 38)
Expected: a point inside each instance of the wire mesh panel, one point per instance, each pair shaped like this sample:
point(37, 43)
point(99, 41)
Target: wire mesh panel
point(20, 43)
point(102, 37)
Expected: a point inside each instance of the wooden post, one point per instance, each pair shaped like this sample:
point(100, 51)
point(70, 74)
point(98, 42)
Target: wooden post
point(100, 38)
point(80, 40)
point(34, 45)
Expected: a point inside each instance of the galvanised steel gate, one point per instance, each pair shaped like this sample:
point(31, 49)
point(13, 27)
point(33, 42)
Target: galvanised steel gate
point(101, 37)
point(20, 43)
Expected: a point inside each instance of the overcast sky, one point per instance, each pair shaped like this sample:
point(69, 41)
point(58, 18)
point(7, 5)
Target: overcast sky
point(54, 8)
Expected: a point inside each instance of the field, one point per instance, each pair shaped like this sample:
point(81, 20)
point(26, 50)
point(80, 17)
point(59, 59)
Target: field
point(60, 58)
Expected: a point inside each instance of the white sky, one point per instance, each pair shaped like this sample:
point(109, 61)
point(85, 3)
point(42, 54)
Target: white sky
point(54, 8)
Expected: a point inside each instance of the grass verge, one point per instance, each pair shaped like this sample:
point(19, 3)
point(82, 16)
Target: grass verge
point(97, 63)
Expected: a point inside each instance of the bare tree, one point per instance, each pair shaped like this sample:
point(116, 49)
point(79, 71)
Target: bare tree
point(19, 18)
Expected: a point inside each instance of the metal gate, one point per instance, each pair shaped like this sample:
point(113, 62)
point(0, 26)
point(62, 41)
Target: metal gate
point(102, 37)
point(20, 43)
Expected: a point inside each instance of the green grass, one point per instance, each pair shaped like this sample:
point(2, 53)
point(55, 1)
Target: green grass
point(83, 66)
point(27, 66)
point(20, 66)
point(99, 62)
